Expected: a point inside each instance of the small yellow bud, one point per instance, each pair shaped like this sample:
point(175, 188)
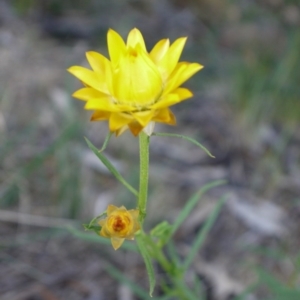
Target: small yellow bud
point(119, 224)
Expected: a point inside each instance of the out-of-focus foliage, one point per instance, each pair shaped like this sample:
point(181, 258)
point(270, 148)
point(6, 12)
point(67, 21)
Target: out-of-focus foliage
point(250, 50)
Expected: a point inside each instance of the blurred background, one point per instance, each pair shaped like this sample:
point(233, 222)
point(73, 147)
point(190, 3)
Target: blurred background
point(246, 110)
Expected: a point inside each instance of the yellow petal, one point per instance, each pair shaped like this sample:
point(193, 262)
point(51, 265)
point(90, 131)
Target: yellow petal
point(162, 115)
point(97, 61)
point(102, 66)
point(159, 50)
point(166, 101)
point(102, 222)
point(138, 81)
point(103, 232)
point(116, 46)
point(143, 117)
point(176, 96)
point(181, 74)
point(111, 208)
point(122, 208)
point(135, 128)
point(170, 60)
point(108, 76)
point(87, 93)
point(90, 78)
point(121, 130)
point(118, 120)
point(172, 120)
point(116, 242)
point(134, 213)
point(103, 103)
point(100, 115)
point(135, 37)
point(165, 116)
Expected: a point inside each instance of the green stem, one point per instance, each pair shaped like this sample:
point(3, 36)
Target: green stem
point(158, 254)
point(174, 272)
point(144, 174)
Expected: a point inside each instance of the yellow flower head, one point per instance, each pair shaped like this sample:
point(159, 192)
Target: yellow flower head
point(119, 224)
point(134, 88)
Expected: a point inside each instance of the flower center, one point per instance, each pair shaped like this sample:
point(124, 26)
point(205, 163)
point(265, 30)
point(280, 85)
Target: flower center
point(118, 224)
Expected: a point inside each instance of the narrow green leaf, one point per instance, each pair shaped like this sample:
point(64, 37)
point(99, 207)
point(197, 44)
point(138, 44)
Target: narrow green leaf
point(94, 228)
point(111, 168)
point(191, 203)
point(161, 232)
point(200, 238)
point(93, 225)
point(185, 138)
point(96, 219)
point(175, 259)
point(188, 293)
point(279, 289)
point(147, 259)
point(106, 142)
point(161, 229)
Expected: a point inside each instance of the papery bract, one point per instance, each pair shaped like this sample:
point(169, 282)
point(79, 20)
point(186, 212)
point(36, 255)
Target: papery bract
point(134, 87)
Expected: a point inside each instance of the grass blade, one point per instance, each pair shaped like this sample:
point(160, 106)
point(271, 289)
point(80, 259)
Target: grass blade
point(191, 203)
point(203, 234)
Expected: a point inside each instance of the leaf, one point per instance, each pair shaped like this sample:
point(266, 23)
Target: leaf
point(147, 259)
point(175, 258)
point(93, 225)
point(277, 288)
point(89, 227)
point(188, 292)
point(191, 203)
point(200, 238)
point(161, 229)
point(185, 138)
point(111, 168)
point(105, 142)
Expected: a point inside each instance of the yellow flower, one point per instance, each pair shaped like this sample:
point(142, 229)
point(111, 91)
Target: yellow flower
point(134, 88)
point(119, 224)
